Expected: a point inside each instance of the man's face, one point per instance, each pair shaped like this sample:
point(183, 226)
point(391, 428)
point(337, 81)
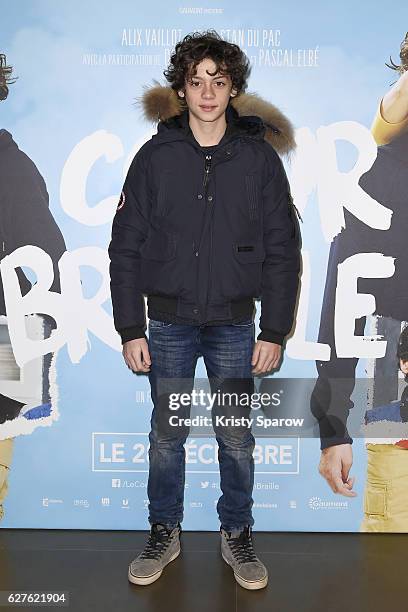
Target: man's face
point(207, 96)
point(404, 366)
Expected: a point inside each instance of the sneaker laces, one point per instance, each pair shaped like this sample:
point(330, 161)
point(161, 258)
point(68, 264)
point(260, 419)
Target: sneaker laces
point(242, 547)
point(158, 541)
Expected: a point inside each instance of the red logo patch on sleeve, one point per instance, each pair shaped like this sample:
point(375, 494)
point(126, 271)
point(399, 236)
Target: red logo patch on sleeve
point(121, 202)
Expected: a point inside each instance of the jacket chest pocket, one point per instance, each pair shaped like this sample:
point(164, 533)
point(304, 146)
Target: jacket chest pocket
point(252, 196)
point(162, 198)
point(160, 245)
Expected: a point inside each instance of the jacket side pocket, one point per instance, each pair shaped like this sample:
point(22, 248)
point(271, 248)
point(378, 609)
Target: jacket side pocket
point(249, 252)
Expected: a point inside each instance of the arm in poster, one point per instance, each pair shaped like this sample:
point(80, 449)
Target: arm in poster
point(391, 118)
point(32, 222)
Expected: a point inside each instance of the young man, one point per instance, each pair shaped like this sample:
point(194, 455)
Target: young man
point(205, 223)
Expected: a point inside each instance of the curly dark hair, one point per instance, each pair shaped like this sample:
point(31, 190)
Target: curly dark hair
point(228, 57)
point(5, 77)
point(401, 68)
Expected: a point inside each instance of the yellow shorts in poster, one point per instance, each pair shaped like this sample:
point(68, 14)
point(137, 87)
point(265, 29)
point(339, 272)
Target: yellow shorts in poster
point(386, 490)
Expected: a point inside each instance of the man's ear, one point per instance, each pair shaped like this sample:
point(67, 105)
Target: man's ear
point(233, 93)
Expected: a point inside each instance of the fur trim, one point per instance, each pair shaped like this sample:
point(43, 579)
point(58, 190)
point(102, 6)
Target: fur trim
point(160, 102)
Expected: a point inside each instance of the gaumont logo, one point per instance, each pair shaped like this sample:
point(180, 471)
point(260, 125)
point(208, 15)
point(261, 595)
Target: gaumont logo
point(316, 503)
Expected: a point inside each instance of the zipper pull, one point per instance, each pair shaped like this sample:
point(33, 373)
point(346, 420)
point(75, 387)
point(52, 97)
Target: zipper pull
point(207, 169)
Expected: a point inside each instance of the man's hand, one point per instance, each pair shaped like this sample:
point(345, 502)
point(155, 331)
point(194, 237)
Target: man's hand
point(136, 355)
point(265, 357)
point(334, 466)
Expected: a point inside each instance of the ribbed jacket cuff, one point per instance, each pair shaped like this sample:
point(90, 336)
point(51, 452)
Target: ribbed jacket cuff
point(327, 442)
point(131, 333)
point(268, 335)
point(333, 431)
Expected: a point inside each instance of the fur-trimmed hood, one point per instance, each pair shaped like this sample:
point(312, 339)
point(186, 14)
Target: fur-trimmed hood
point(161, 102)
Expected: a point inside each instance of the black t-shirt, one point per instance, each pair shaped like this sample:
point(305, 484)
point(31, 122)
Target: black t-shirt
point(209, 150)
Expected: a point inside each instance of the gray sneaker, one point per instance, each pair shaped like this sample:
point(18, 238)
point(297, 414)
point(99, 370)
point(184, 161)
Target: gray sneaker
point(162, 546)
point(237, 550)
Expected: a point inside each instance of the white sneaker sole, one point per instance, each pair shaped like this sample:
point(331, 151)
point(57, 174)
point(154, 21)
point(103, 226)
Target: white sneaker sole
point(143, 580)
point(251, 585)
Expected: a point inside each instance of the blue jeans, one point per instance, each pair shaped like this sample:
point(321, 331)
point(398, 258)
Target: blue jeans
point(227, 353)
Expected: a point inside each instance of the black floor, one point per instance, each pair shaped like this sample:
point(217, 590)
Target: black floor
point(307, 572)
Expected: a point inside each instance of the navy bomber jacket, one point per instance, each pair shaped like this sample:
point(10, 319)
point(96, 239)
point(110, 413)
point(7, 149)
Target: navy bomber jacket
point(204, 234)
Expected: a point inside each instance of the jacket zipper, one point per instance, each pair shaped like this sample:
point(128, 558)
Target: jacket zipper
point(207, 169)
point(208, 159)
